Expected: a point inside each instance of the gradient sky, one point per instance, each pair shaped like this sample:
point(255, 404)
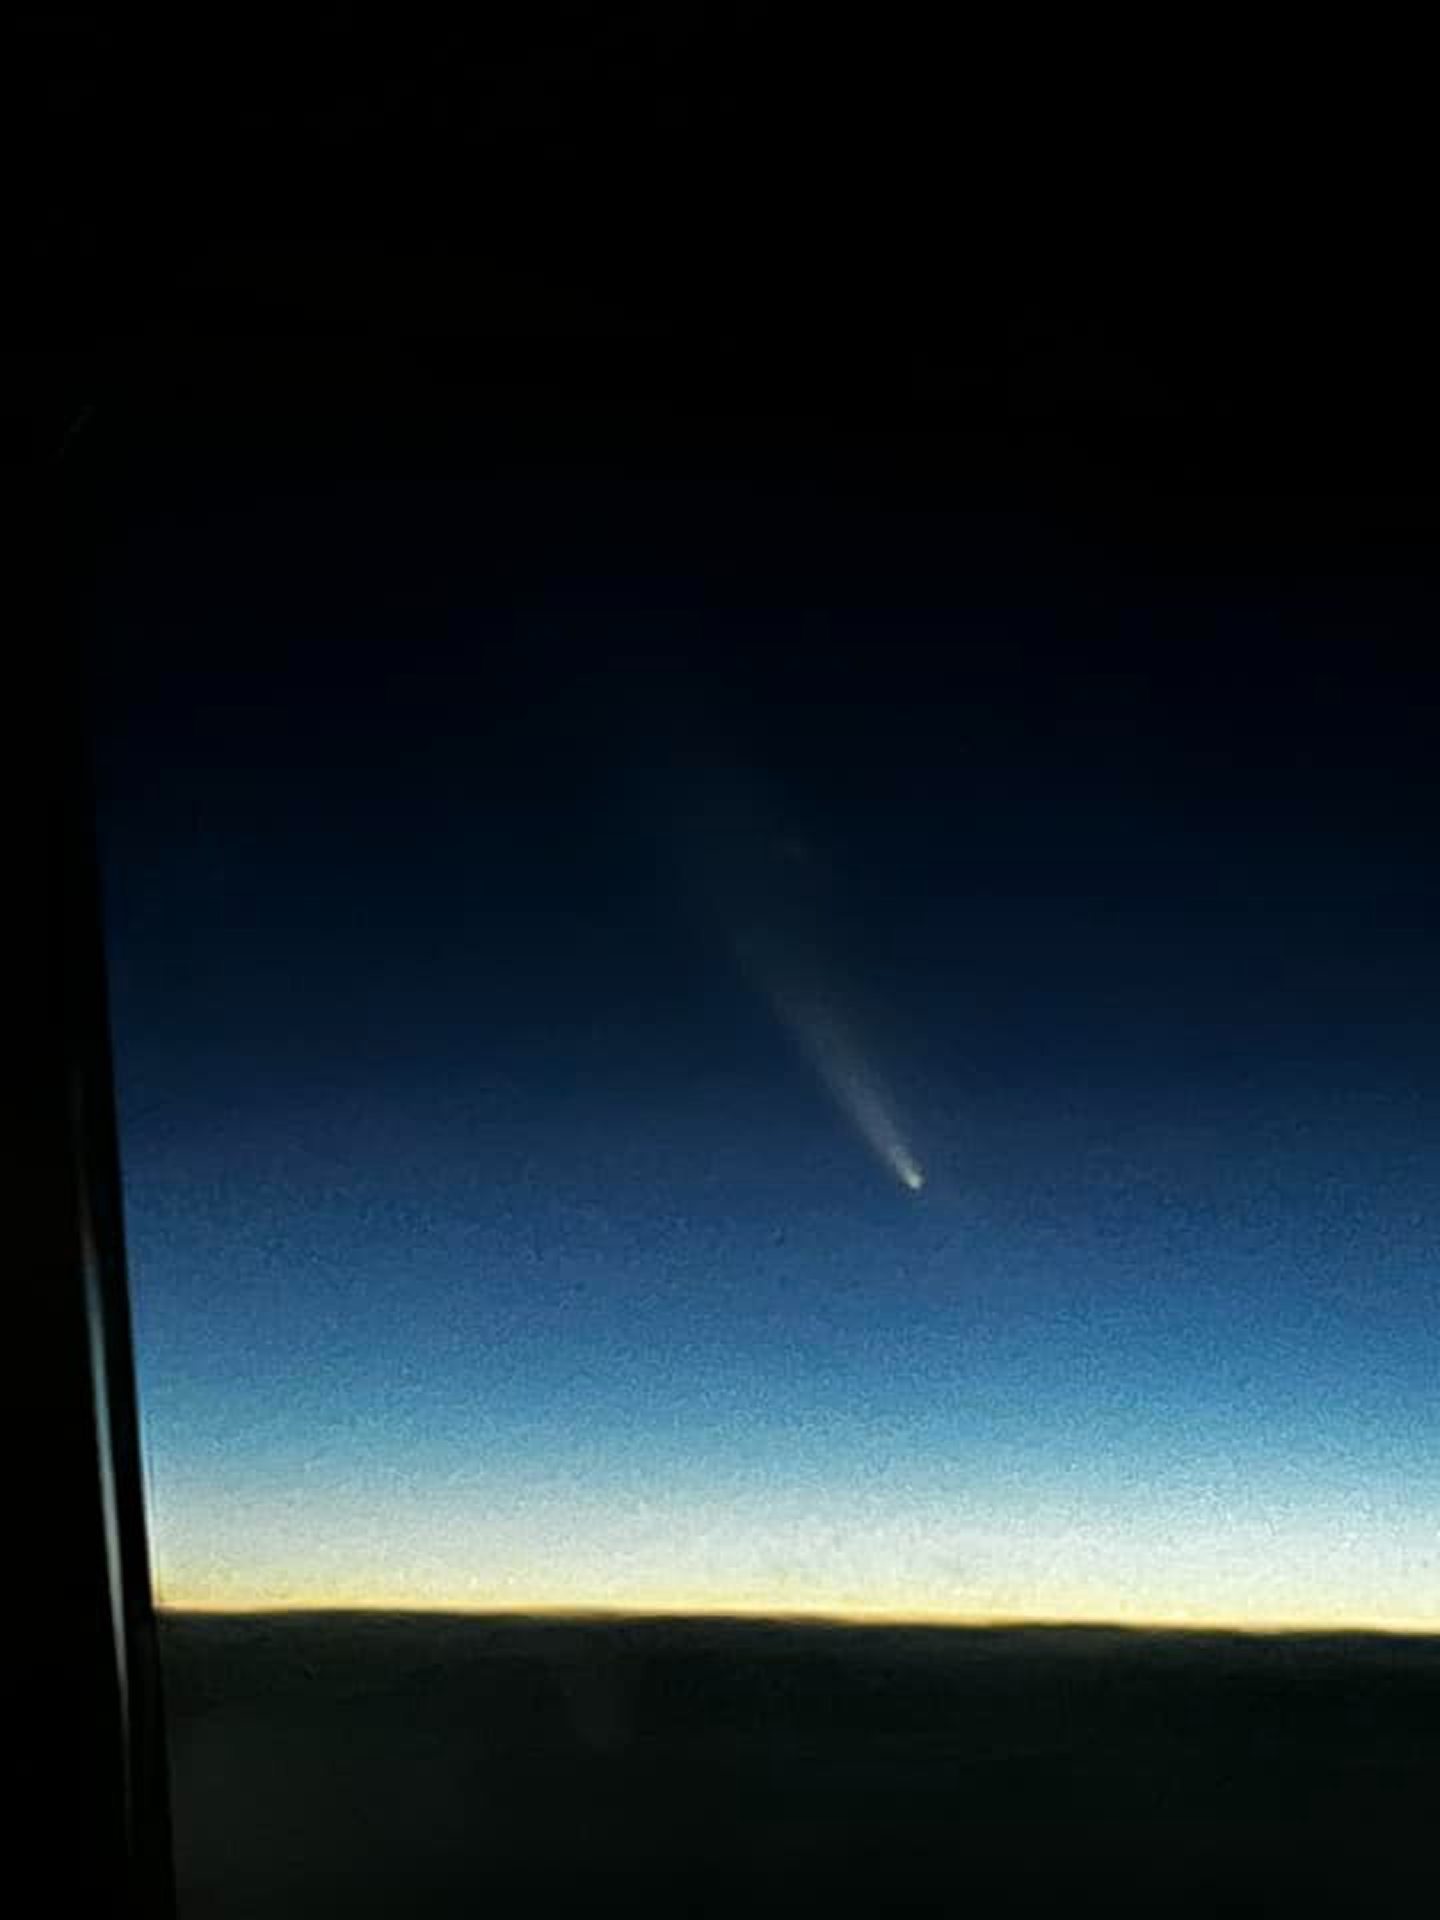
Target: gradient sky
point(547, 895)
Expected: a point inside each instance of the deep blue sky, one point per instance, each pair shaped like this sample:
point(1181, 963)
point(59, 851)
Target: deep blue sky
point(481, 834)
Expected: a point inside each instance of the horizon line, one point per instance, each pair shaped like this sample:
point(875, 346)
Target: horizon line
point(838, 1616)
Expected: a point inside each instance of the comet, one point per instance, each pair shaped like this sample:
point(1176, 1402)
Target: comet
point(762, 890)
point(827, 1042)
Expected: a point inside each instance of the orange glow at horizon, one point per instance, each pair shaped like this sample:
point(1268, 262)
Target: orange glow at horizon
point(240, 1597)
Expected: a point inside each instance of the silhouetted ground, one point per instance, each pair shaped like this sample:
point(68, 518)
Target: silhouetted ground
point(425, 1765)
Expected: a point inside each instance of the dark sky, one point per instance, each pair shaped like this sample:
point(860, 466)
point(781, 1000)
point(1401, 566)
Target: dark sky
point(702, 1022)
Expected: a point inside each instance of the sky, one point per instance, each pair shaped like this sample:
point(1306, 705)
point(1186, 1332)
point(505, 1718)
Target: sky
point(689, 1035)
